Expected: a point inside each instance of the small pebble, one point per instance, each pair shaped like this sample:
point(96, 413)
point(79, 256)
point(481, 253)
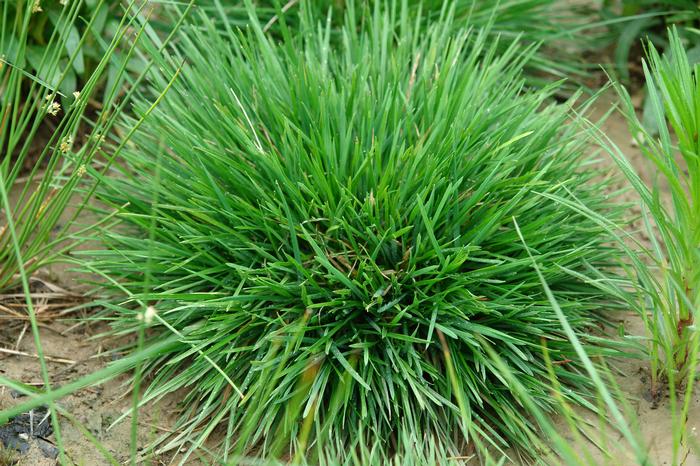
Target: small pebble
point(47, 448)
point(15, 394)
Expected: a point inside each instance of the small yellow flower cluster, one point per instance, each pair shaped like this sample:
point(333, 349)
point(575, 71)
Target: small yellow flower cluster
point(53, 107)
point(66, 144)
point(36, 7)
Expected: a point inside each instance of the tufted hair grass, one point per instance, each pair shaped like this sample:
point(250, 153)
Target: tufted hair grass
point(321, 241)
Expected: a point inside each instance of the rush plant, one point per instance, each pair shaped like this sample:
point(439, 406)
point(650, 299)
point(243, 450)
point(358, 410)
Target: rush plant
point(40, 131)
point(45, 144)
point(324, 244)
point(84, 41)
point(48, 146)
point(49, 139)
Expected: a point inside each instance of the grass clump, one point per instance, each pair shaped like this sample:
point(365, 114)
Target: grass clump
point(667, 266)
point(530, 22)
point(673, 281)
point(327, 241)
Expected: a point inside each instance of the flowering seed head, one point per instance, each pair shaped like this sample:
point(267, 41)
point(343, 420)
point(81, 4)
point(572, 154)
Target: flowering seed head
point(53, 108)
point(147, 316)
point(66, 144)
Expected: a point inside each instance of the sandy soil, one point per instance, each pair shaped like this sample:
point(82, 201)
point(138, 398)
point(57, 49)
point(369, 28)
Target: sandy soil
point(75, 352)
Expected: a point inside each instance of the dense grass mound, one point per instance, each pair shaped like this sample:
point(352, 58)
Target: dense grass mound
point(328, 240)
